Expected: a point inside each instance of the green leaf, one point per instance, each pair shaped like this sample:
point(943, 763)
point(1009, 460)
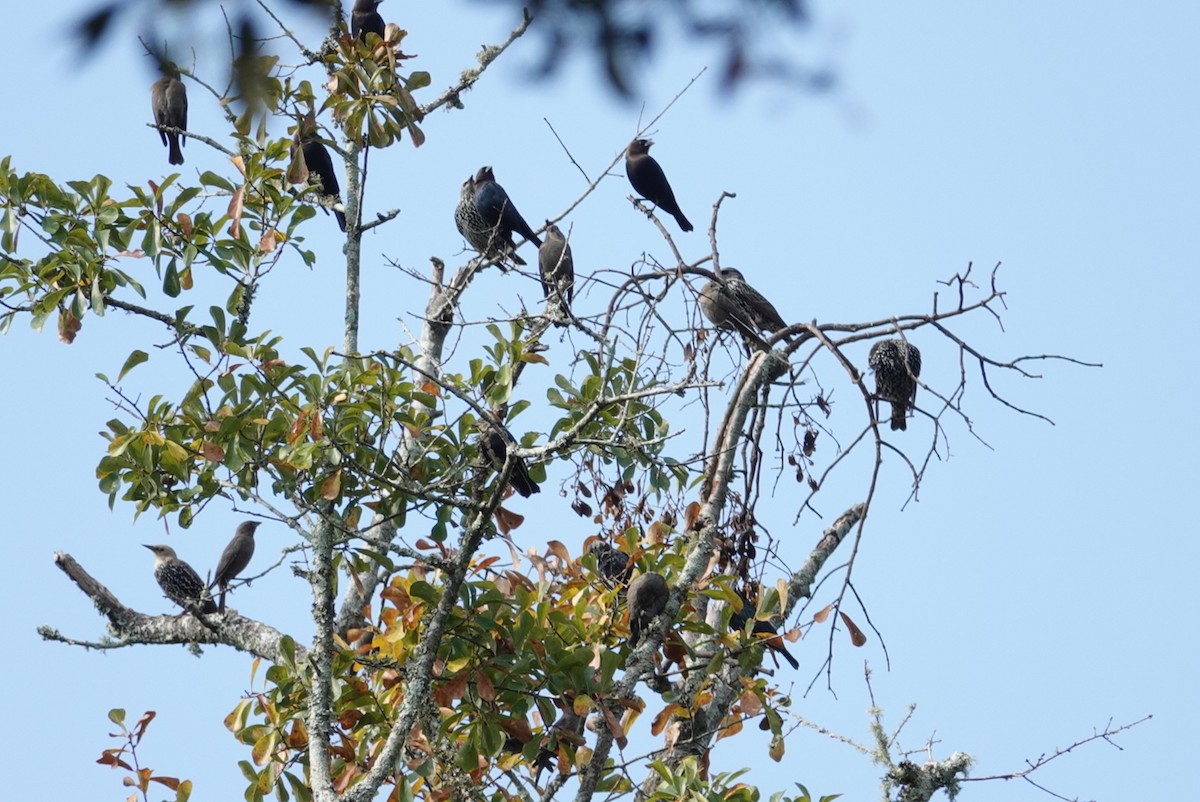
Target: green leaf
point(136, 358)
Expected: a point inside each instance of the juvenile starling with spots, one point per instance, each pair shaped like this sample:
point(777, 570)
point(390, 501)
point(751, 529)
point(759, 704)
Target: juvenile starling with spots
point(180, 582)
point(897, 364)
point(649, 180)
point(234, 559)
point(731, 304)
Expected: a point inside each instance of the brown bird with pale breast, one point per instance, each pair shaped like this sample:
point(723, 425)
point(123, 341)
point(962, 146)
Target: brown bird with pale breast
point(180, 582)
point(647, 596)
point(649, 180)
point(168, 99)
point(731, 304)
point(234, 559)
point(364, 19)
point(557, 269)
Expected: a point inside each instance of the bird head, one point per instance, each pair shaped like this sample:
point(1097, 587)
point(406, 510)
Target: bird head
point(485, 174)
point(553, 231)
point(728, 273)
point(247, 528)
point(639, 146)
point(161, 553)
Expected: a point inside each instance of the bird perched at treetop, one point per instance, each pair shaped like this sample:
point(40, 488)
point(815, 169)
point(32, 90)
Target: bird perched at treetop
point(772, 640)
point(317, 163)
point(168, 99)
point(647, 596)
point(557, 269)
point(897, 364)
point(180, 582)
point(731, 304)
point(234, 559)
point(493, 445)
point(649, 180)
point(486, 216)
point(364, 19)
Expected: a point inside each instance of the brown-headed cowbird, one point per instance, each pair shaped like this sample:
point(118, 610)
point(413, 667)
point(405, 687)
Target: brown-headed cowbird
point(557, 269)
point(234, 559)
point(768, 635)
point(364, 19)
point(168, 99)
point(649, 180)
point(897, 364)
point(731, 304)
point(493, 445)
point(317, 163)
point(647, 596)
point(180, 582)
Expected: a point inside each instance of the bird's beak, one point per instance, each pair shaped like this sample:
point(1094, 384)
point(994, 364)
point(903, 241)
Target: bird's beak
point(149, 547)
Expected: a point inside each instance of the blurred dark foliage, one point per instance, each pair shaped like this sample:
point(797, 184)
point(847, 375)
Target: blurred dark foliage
point(620, 34)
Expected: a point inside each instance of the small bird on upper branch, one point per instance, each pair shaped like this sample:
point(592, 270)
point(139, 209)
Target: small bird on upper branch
point(897, 364)
point(488, 219)
point(649, 180)
point(168, 99)
point(234, 559)
point(731, 304)
point(557, 269)
point(364, 19)
point(180, 582)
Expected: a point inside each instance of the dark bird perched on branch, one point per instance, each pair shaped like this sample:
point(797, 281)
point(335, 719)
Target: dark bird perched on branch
point(731, 304)
point(234, 559)
point(647, 596)
point(488, 219)
point(897, 364)
point(364, 19)
point(317, 163)
point(168, 99)
point(557, 269)
point(649, 180)
point(180, 582)
point(493, 445)
point(567, 729)
point(772, 640)
point(613, 566)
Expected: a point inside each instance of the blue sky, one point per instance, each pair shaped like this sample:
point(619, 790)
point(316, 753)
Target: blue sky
point(1038, 589)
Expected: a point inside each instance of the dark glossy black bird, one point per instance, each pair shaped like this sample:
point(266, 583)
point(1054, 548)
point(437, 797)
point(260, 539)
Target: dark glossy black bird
point(731, 304)
point(493, 445)
point(649, 180)
point(180, 582)
point(897, 364)
point(320, 166)
point(488, 219)
point(647, 596)
point(567, 731)
point(168, 99)
point(557, 269)
point(614, 566)
point(767, 634)
point(364, 19)
point(234, 559)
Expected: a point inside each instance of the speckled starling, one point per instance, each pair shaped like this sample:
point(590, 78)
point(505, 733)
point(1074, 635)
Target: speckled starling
point(180, 582)
point(364, 19)
point(320, 167)
point(557, 269)
point(768, 634)
point(168, 99)
point(649, 180)
point(488, 219)
point(493, 445)
point(613, 566)
point(647, 597)
point(897, 364)
point(234, 559)
point(733, 305)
